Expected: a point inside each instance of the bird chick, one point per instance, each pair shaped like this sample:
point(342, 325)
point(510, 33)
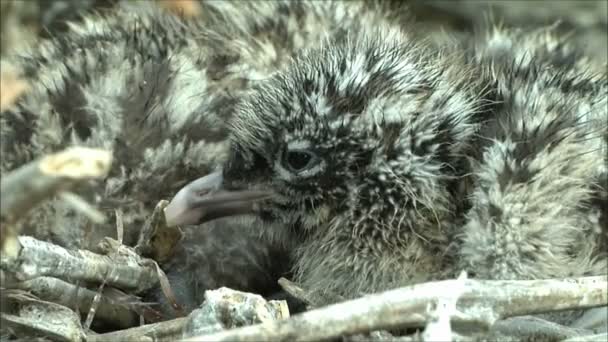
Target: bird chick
point(389, 163)
point(374, 160)
point(156, 90)
point(360, 144)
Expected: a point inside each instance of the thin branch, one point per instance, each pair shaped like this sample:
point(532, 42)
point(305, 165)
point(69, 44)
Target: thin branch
point(481, 302)
point(32, 317)
point(382, 336)
point(221, 309)
point(589, 338)
point(168, 330)
point(79, 204)
point(438, 327)
point(125, 270)
point(297, 292)
point(94, 306)
point(532, 328)
point(120, 226)
point(156, 240)
point(309, 298)
point(61, 292)
point(28, 186)
point(593, 319)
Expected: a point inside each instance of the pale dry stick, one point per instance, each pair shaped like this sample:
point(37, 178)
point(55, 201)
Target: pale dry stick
point(29, 185)
point(61, 292)
point(593, 319)
point(94, 306)
point(31, 316)
point(309, 298)
point(156, 239)
point(525, 328)
point(481, 302)
point(120, 227)
point(97, 299)
point(382, 336)
point(297, 292)
point(163, 331)
point(531, 328)
point(79, 204)
point(589, 338)
point(75, 292)
point(439, 327)
point(38, 258)
point(222, 308)
point(26, 187)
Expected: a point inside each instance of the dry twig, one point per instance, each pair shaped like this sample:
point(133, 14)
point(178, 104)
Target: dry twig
point(590, 338)
point(28, 186)
point(593, 319)
point(61, 292)
point(222, 309)
point(163, 331)
point(82, 206)
point(25, 188)
point(482, 302)
point(126, 270)
point(59, 323)
point(156, 240)
point(309, 298)
point(439, 327)
point(532, 328)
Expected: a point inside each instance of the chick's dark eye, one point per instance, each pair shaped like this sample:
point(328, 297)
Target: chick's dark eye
point(298, 161)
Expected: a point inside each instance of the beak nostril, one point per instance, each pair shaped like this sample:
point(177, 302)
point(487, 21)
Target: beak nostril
point(202, 193)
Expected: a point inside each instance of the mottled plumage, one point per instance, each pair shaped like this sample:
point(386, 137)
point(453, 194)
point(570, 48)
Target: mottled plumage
point(416, 158)
point(392, 160)
point(157, 89)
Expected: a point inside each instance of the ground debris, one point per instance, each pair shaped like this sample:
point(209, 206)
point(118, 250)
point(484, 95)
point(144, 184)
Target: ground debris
point(225, 309)
point(29, 316)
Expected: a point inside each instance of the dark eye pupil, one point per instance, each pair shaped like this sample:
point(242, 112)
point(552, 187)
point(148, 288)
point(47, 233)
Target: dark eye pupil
point(298, 160)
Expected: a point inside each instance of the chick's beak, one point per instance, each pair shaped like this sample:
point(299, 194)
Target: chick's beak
point(205, 199)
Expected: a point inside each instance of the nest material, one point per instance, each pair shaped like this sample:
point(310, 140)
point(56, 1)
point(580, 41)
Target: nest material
point(48, 299)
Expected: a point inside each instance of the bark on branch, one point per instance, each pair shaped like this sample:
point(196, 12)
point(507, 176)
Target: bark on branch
point(123, 270)
point(532, 328)
point(71, 296)
point(222, 309)
point(590, 338)
point(481, 302)
point(24, 313)
point(163, 331)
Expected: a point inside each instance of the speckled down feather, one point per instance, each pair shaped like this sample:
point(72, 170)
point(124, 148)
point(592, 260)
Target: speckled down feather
point(156, 90)
point(426, 157)
point(487, 156)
